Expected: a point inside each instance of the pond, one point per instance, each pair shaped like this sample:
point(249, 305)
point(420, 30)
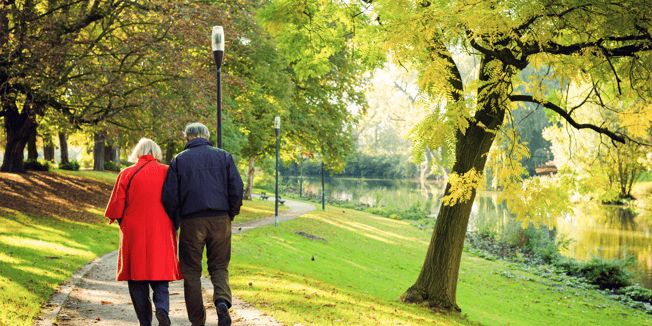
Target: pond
point(595, 230)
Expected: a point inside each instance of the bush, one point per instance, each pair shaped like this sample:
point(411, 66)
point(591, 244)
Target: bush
point(637, 292)
point(85, 159)
point(36, 165)
point(607, 274)
point(111, 166)
point(72, 165)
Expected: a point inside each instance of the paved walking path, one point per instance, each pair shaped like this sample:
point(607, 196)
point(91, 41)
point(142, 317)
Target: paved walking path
point(93, 297)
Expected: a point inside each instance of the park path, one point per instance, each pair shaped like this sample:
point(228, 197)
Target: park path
point(93, 297)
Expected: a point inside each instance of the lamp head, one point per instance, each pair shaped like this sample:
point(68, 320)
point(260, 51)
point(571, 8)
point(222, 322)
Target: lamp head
point(277, 123)
point(218, 38)
point(217, 44)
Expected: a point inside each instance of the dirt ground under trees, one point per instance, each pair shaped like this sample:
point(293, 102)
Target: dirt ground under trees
point(49, 193)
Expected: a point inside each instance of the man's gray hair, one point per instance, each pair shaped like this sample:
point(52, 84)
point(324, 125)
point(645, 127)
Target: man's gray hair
point(196, 130)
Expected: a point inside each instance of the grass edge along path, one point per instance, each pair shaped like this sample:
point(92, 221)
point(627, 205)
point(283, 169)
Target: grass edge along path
point(358, 264)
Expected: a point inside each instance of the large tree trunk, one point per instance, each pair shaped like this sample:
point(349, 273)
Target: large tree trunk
point(18, 128)
point(250, 178)
point(32, 151)
point(98, 152)
point(63, 143)
point(437, 281)
point(48, 148)
point(109, 153)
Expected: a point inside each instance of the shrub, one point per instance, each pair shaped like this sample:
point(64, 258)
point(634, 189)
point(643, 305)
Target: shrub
point(541, 242)
point(72, 165)
point(607, 274)
point(111, 166)
point(85, 159)
point(637, 292)
point(36, 165)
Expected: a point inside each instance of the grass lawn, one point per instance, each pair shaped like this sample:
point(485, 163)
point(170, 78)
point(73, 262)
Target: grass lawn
point(50, 225)
point(256, 209)
point(368, 262)
point(37, 253)
point(107, 176)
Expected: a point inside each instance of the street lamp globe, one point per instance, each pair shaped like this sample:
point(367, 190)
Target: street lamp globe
point(217, 44)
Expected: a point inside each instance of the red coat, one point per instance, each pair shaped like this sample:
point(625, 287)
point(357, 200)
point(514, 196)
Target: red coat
point(148, 241)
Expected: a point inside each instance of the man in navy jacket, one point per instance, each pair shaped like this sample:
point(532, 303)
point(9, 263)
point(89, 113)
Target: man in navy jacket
point(202, 194)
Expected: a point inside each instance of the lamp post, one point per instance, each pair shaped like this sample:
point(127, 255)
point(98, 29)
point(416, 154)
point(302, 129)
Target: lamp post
point(277, 127)
point(301, 178)
point(323, 195)
point(217, 44)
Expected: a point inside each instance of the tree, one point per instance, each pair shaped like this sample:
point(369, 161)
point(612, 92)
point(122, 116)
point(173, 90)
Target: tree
point(606, 43)
point(83, 60)
point(605, 171)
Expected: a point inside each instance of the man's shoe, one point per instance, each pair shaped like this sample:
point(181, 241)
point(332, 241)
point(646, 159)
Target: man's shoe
point(223, 317)
point(162, 317)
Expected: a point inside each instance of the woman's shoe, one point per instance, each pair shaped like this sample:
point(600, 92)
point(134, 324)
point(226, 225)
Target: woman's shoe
point(162, 317)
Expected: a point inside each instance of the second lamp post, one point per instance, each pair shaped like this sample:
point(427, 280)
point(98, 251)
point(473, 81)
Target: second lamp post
point(277, 127)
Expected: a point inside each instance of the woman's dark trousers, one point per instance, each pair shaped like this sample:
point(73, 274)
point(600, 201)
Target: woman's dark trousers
point(139, 292)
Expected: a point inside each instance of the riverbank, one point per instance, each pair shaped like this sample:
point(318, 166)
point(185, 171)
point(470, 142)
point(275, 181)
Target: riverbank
point(346, 266)
point(536, 251)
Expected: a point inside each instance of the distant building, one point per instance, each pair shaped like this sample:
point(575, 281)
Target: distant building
point(549, 168)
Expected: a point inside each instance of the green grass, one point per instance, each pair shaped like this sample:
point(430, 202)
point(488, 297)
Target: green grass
point(368, 262)
point(108, 177)
point(37, 253)
point(256, 209)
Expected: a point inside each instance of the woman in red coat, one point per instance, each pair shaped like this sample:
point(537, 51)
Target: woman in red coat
point(148, 240)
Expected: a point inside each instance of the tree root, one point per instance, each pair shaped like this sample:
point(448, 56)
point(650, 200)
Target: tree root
point(417, 295)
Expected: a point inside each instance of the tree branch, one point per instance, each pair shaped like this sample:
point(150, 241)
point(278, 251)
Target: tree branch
point(568, 118)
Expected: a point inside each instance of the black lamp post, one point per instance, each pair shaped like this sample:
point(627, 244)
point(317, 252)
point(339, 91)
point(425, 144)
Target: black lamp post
point(277, 127)
point(323, 189)
point(217, 45)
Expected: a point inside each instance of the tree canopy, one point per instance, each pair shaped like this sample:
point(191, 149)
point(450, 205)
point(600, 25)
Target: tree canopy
point(604, 45)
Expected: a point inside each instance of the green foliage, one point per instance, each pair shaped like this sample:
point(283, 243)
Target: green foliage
point(636, 292)
point(111, 166)
point(85, 159)
point(607, 274)
point(36, 165)
point(540, 242)
point(72, 165)
point(603, 170)
point(360, 165)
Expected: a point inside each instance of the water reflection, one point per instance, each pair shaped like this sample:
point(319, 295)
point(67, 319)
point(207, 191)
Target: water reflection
point(605, 231)
point(610, 232)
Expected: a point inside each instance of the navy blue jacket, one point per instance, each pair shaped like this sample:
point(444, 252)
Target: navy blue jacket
point(202, 181)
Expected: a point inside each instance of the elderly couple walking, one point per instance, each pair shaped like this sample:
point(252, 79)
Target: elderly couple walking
point(200, 192)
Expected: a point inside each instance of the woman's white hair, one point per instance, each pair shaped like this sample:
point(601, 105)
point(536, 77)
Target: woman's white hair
point(145, 147)
point(196, 130)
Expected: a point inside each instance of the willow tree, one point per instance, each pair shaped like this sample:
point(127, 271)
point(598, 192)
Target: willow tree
point(606, 44)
